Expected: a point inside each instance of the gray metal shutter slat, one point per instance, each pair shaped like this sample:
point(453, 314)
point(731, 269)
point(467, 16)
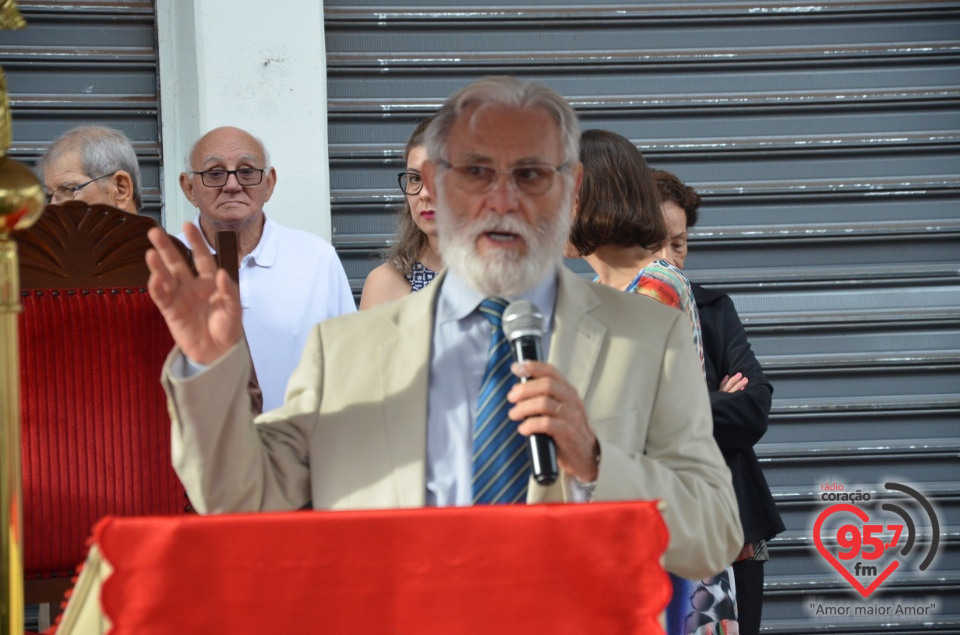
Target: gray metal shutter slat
point(92, 62)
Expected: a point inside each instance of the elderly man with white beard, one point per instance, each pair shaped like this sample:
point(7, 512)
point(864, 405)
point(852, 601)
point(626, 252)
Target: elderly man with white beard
point(383, 411)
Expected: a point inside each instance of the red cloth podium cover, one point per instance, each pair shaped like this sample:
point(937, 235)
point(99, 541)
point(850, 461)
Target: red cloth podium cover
point(553, 569)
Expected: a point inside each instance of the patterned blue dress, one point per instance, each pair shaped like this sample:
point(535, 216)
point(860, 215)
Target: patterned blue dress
point(419, 277)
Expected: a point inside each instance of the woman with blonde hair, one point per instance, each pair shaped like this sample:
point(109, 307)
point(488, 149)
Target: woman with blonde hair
point(413, 260)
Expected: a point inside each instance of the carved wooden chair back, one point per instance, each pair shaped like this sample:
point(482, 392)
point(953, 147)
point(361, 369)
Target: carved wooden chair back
point(95, 429)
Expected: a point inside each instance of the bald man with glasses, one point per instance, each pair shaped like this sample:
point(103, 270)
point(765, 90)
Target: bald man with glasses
point(289, 279)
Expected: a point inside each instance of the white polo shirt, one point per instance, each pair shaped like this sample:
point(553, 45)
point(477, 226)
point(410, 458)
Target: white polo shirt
point(289, 282)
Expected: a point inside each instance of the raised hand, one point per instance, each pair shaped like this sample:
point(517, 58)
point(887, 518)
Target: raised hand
point(202, 311)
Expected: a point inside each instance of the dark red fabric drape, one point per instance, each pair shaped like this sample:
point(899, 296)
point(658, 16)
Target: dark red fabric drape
point(501, 570)
point(95, 430)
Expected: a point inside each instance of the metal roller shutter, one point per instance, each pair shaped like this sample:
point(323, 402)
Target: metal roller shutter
point(91, 62)
point(824, 140)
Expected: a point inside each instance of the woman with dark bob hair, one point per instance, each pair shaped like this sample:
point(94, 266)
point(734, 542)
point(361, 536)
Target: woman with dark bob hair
point(617, 217)
point(617, 222)
point(413, 260)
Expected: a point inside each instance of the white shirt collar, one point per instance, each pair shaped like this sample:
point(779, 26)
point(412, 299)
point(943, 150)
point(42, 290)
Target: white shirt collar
point(265, 253)
point(458, 299)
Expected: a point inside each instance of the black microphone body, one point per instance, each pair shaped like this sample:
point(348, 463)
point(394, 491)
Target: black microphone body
point(523, 326)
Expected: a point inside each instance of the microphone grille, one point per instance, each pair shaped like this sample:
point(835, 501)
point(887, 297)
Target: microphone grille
point(521, 318)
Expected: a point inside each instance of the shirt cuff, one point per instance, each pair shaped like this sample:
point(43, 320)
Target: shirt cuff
point(582, 492)
point(185, 368)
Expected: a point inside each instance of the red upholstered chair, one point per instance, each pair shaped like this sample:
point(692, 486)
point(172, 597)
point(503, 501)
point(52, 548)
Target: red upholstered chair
point(95, 429)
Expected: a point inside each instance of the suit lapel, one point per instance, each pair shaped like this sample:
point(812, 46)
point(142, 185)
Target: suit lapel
point(577, 335)
point(404, 366)
point(575, 347)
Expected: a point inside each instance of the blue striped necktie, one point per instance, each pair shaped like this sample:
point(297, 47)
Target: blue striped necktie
point(501, 466)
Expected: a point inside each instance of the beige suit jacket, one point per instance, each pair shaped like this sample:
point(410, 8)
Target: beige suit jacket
point(352, 432)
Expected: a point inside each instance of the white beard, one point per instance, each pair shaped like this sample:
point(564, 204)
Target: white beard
point(502, 272)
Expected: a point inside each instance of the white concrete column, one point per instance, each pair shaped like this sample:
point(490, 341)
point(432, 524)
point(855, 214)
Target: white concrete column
point(257, 66)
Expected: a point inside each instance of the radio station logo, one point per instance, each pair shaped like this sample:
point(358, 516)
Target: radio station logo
point(867, 541)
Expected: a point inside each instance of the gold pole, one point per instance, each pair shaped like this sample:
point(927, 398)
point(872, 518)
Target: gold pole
point(21, 202)
point(10, 501)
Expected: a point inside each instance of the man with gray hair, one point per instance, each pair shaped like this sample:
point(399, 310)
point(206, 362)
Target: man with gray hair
point(289, 279)
point(410, 404)
point(93, 164)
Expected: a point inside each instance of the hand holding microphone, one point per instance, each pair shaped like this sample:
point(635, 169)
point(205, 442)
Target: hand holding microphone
point(523, 326)
point(548, 404)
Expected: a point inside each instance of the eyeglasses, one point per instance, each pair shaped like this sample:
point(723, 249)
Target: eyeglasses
point(62, 193)
point(410, 182)
point(533, 179)
point(217, 177)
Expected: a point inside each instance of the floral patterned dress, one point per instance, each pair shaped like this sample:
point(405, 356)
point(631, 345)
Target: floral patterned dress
point(666, 284)
point(698, 607)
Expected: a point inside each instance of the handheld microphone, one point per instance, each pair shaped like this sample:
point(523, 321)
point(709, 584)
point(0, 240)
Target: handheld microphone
point(523, 326)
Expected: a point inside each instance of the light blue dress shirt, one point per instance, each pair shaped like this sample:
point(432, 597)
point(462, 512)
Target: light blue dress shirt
point(461, 338)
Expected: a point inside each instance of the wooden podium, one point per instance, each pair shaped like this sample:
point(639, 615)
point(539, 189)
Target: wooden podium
point(504, 570)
